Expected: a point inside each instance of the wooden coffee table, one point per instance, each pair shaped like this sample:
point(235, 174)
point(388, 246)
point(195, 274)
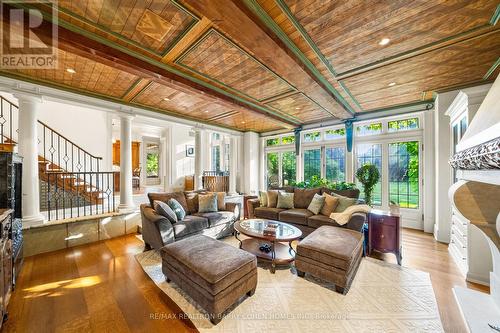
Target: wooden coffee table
point(280, 246)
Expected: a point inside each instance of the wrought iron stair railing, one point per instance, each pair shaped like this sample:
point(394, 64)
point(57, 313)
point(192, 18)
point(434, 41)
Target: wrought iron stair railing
point(71, 182)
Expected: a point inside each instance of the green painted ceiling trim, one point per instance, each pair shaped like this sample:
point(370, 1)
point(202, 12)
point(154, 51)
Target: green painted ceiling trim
point(131, 87)
point(269, 22)
point(184, 54)
point(195, 19)
point(412, 106)
point(496, 16)
point(286, 10)
point(492, 69)
point(164, 66)
point(109, 99)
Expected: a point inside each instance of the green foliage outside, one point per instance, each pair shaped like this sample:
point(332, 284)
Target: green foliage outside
point(404, 173)
point(152, 164)
point(272, 142)
point(368, 175)
point(288, 139)
point(316, 181)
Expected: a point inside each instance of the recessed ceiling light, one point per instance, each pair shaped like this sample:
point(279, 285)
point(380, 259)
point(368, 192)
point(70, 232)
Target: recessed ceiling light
point(70, 70)
point(297, 108)
point(206, 111)
point(242, 122)
point(166, 99)
point(392, 84)
point(384, 41)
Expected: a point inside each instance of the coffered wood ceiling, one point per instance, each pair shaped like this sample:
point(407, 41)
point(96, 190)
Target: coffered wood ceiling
point(263, 65)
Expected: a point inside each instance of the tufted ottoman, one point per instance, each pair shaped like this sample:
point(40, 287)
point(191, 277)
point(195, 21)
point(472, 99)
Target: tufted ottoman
point(213, 273)
point(332, 254)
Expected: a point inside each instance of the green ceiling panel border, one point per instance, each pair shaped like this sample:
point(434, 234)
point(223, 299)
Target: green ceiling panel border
point(269, 22)
point(492, 69)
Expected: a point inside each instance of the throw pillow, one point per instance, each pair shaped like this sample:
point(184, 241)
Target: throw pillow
point(207, 203)
point(177, 208)
point(331, 203)
point(285, 200)
point(221, 200)
point(263, 198)
point(316, 204)
point(272, 198)
point(164, 210)
point(344, 202)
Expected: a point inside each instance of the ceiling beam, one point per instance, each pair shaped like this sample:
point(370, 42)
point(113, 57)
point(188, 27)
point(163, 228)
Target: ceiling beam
point(239, 23)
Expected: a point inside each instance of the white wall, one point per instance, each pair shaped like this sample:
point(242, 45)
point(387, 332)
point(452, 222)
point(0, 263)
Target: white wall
point(181, 165)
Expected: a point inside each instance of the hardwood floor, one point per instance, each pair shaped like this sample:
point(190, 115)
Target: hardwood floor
point(100, 287)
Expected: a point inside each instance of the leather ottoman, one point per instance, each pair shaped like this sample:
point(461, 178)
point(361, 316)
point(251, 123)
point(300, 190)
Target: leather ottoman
point(332, 254)
point(213, 273)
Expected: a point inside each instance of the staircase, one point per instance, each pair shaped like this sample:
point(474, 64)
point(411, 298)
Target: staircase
point(71, 183)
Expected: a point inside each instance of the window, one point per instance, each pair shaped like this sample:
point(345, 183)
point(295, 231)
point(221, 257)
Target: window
point(312, 137)
point(369, 129)
point(272, 142)
point(152, 160)
point(272, 169)
point(404, 174)
point(216, 158)
point(281, 168)
point(226, 157)
point(335, 164)
point(334, 134)
point(312, 163)
point(288, 139)
point(403, 125)
point(288, 168)
point(371, 154)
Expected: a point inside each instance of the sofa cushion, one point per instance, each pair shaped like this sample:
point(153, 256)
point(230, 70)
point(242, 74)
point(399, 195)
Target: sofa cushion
point(316, 204)
point(207, 203)
point(317, 221)
point(332, 246)
point(267, 212)
point(272, 198)
point(221, 200)
point(179, 196)
point(190, 225)
point(164, 210)
point(344, 202)
point(177, 208)
point(192, 200)
point(285, 200)
point(263, 198)
point(211, 264)
point(302, 196)
point(296, 215)
point(331, 203)
point(217, 218)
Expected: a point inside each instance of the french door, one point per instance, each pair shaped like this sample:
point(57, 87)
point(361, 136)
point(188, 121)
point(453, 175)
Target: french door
point(281, 168)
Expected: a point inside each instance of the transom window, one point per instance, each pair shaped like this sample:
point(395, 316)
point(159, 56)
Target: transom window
point(284, 140)
point(334, 134)
point(312, 137)
point(369, 129)
point(402, 125)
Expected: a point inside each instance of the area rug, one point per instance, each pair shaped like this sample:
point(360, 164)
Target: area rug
point(383, 298)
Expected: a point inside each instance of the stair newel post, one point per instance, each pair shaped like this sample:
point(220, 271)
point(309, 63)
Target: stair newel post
point(1, 125)
point(44, 145)
point(48, 196)
point(11, 122)
point(58, 151)
point(91, 194)
point(63, 178)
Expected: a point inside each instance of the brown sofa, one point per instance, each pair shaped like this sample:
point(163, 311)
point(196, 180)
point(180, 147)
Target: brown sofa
point(300, 216)
point(158, 231)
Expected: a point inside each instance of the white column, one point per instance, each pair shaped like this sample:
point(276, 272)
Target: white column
point(199, 157)
point(233, 164)
point(28, 149)
point(126, 199)
point(253, 162)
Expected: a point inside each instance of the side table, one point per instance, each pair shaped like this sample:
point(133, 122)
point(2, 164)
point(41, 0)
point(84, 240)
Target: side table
point(384, 233)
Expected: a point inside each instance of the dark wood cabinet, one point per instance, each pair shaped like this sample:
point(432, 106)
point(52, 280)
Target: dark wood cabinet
point(6, 261)
point(384, 233)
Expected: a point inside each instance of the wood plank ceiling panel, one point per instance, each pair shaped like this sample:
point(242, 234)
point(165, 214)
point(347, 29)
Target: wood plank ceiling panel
point(152, 25)
point(90, 75)
point(216, 57)
point(457, 64)
point(299, 106)
point(201, 107)
point(348, 32)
